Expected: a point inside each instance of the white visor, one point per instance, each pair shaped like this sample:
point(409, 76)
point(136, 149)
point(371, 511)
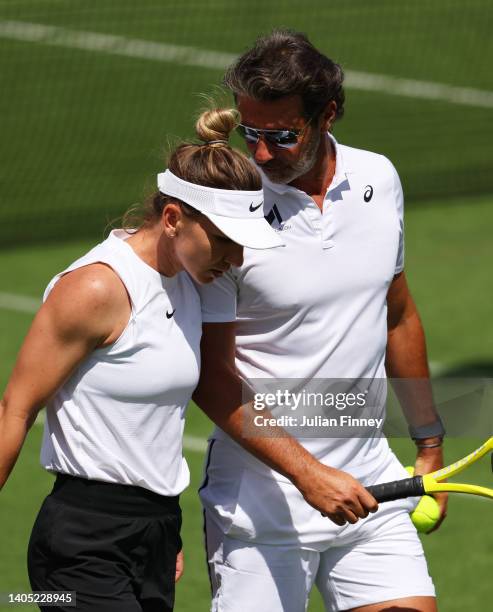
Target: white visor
point(238, 214)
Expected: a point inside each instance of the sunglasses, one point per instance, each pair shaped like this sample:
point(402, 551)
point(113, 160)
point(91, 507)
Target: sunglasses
point(285, 139)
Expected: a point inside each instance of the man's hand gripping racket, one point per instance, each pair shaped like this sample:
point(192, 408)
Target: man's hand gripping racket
point(432, 483)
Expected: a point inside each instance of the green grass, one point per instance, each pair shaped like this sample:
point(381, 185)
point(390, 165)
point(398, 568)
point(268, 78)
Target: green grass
point(376, 36)
point(83, 134)
point(84, 131)
point(448, 254)
point(448, 262)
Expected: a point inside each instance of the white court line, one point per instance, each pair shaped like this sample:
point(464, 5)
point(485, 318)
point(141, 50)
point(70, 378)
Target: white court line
point(194, 444)
point(19, 303)
point(216, 60)
point(114, 45)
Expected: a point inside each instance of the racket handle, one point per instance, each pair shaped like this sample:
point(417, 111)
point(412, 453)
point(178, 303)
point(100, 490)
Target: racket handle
point(398, 489)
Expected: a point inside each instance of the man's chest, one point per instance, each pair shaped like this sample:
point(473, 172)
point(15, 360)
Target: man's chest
point(347, 251)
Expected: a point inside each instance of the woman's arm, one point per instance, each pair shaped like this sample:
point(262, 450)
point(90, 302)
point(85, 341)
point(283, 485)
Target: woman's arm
point(88, 308)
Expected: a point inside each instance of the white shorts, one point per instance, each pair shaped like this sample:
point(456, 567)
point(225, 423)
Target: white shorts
point(258, 563)
point(247, 577)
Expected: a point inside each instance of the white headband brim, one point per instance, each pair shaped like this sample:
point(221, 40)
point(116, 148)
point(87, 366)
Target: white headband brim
point(238, 214)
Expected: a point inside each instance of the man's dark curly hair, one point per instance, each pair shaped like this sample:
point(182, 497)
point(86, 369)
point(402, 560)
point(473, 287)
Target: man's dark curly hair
point(285, 63)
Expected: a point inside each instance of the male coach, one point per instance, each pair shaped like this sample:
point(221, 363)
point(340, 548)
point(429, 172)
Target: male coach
point(332, 303)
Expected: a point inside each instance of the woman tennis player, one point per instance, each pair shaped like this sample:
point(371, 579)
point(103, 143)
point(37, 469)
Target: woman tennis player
point(114, 354)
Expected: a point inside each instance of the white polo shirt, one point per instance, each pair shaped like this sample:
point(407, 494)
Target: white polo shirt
point(316, 308)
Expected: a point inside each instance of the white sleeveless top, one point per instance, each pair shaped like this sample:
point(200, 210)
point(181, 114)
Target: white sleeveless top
point(120, 416)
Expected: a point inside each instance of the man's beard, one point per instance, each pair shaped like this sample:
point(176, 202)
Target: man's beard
point(281, 172)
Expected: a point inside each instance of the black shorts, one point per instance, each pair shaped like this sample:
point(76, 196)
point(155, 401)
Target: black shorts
point(114, 545)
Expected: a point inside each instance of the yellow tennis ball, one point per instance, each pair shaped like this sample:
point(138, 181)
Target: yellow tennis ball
point(426, 513)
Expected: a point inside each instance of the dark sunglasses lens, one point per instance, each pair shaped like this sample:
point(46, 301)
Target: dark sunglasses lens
point(249, 134)
point(279, 138)
point(282, 138)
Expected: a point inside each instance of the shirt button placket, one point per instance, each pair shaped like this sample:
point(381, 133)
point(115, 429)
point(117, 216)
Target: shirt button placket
point(327, 220)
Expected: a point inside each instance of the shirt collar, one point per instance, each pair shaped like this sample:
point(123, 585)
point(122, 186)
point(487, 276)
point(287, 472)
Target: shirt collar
point(341, 171)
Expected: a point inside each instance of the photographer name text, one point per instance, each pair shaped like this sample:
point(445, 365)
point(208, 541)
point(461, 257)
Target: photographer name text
point(342, 420)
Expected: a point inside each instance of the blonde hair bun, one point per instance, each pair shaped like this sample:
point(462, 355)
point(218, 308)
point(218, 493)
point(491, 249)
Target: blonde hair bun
point(217, 124)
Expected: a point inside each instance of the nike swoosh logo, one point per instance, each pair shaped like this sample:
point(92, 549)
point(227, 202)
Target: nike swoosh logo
point(170, 314)
point(254, 208)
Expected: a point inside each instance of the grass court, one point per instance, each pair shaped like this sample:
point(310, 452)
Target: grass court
point(84, 129)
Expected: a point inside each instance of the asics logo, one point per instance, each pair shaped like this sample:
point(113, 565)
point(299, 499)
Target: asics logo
point(367, 196)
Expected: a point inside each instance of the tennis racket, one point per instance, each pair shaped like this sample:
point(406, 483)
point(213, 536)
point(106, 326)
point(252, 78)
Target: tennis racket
point(432, 483)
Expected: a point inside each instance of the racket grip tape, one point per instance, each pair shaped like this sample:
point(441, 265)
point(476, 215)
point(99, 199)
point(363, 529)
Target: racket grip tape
point(398, 489)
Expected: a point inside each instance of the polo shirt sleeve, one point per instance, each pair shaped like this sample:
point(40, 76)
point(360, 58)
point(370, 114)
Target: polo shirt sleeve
point(218, 299)
point(399, 203)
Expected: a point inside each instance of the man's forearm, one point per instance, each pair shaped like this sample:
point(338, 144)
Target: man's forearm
point(273, 445)
point(334, 493)
point(407, 367)
point(406, 355)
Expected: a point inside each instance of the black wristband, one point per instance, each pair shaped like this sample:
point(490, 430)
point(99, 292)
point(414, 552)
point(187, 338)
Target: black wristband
point(432, 430)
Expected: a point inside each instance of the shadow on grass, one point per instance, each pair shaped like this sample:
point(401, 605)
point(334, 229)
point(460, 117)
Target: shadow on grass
point(474, 369)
